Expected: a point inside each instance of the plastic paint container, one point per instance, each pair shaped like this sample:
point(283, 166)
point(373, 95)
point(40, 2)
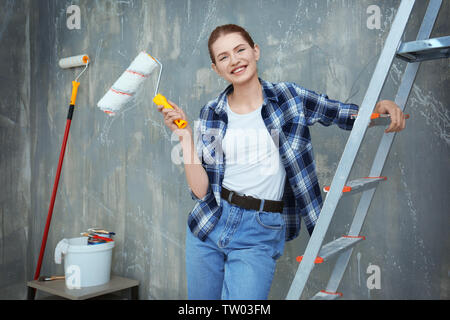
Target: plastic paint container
point(87, 265)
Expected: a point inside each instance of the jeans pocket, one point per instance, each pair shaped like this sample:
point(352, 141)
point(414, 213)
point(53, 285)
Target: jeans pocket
point(270, 220)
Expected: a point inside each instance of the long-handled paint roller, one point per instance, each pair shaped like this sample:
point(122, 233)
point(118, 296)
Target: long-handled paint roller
point(126, 86)
point(71, 62)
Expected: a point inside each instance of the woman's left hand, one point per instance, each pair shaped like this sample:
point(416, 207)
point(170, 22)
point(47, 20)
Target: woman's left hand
point(398, 122)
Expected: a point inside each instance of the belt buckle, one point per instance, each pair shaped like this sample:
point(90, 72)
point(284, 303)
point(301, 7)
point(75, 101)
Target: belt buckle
point(261, 206)
point(230, 196)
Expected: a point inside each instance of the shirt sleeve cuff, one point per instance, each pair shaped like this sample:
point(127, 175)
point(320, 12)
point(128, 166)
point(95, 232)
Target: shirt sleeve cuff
point(345, 120)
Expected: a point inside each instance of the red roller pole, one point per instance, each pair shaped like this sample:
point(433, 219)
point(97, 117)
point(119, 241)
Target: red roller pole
point(75, 85)
point(52, 201)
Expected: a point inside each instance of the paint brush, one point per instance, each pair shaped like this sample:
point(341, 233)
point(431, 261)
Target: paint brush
point(51, 278)
point(85, 234)
point(93, 230)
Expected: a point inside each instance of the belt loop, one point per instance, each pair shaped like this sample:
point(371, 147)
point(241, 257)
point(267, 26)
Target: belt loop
point(230, 196)
point(261, 207)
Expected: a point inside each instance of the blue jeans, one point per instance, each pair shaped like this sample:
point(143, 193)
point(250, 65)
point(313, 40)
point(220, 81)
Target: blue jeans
point(237, 260)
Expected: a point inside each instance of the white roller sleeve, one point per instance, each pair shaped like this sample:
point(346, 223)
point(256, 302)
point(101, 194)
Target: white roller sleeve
point(128, 83)
point(72, 62)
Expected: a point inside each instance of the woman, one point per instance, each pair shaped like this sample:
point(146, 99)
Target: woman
point(247, 207)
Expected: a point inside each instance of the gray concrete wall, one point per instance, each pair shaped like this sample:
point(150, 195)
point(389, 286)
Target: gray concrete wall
point(118, 172)
point(15, 147)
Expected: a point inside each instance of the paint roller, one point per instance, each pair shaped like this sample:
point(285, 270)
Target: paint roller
point(128, 83)
point(66, 63)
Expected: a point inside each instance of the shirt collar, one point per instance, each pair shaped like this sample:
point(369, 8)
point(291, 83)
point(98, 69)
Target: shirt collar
point(269, 93)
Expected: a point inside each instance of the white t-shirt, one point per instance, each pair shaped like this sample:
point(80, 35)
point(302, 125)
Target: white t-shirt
point(252, 161)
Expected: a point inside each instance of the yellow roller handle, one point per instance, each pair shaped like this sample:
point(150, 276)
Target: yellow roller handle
point(160, 100)
point(75, 86)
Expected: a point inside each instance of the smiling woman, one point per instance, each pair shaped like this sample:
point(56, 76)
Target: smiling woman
point(245, 211)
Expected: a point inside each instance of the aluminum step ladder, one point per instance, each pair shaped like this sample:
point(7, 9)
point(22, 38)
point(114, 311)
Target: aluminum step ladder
point(413, 52)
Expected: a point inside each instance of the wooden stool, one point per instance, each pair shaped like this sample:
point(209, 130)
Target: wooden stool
point(58, 288)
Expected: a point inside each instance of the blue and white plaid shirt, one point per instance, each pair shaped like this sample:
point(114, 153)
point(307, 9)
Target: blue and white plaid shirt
point(287, 110)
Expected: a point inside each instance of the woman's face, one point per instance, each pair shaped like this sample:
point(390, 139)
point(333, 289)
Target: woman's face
point(235, 58)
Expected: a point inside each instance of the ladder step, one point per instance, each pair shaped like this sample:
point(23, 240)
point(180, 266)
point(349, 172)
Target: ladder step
point(334, 247)
point(325, 295)
point(359, 185)
point(378, 119)
point(422, 50)
point(340, 244)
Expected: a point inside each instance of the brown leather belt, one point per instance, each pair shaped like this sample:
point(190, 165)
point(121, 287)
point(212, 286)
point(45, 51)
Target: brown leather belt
point(250, 203)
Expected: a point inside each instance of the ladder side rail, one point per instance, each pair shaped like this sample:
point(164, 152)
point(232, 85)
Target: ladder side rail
point(351, 148)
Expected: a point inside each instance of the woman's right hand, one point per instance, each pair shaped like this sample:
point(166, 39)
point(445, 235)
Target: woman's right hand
point(170, 115)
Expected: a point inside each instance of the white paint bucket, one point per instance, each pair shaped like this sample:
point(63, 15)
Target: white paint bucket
point(87, 265)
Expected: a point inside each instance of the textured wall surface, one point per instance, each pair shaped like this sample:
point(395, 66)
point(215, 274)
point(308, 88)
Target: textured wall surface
point(15, 147)
point(118, 171)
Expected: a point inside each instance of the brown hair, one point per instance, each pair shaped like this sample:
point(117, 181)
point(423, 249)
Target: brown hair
point(224, 30)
